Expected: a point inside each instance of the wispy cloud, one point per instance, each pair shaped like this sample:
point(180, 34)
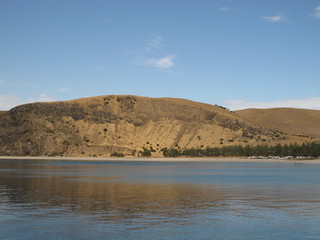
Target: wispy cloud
point(155, 42)
point(8, 101)
point(43, 98)
point(160, 63)
point(167, 71)
point(155, 45)
point(274, 19)
point(228, 9)
point(224, 8)
point(99, 67)
point(316, 12)
point(308, 103)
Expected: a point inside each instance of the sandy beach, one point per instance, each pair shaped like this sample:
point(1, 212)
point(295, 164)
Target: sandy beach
point(137, 159)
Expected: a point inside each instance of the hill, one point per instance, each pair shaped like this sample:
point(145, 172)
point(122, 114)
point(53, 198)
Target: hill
point(298, 121)
point(99, 126)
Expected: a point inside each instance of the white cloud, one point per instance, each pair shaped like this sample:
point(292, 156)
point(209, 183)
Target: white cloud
point(316, 13)
point(160, 63)
point(42, 98)
point(274, 19)
point(8, 101)
point(155, 42)
point(308, 103)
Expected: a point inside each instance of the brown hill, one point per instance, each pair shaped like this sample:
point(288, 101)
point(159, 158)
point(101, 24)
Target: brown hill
point(298, 121)
point(102, 125)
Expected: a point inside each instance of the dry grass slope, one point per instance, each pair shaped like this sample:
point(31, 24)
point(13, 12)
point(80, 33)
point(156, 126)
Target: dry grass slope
point(299, 121)
point(99, 126)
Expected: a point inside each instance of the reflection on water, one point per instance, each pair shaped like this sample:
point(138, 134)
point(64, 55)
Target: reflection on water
point(103, 196)
point(125, 200)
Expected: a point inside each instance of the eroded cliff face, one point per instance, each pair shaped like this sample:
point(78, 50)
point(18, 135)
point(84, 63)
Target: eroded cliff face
point(102, 125)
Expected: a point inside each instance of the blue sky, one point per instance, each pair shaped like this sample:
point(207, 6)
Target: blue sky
point(235, 53)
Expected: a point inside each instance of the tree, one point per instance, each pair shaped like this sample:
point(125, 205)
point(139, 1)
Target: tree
point(145, 153)
point(172, 152)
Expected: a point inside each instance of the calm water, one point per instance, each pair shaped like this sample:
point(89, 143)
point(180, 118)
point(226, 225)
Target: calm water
point(152, 200)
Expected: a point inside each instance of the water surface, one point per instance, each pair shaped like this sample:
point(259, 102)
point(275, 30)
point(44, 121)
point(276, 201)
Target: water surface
point(158, 200)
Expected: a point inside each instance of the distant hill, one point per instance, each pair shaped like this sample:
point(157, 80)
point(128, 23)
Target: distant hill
point(99, 126)
point(298, 121)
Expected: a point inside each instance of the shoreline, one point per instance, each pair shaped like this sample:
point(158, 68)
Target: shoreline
point(160, 159)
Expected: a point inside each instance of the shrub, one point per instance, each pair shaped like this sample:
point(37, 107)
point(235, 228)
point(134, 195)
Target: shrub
point(116, 154)
point(145, 153)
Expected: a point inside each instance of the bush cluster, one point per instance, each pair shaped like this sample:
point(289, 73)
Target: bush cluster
point(116, 154)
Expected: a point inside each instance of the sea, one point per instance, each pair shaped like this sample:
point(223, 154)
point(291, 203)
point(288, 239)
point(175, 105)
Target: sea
point(75, 200)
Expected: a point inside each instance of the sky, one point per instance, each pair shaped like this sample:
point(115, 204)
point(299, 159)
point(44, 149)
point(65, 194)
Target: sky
point(234, 53)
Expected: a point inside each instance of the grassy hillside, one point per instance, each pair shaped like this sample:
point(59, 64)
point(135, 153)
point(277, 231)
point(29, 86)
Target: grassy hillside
point(298, 121)
point(99, 126)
